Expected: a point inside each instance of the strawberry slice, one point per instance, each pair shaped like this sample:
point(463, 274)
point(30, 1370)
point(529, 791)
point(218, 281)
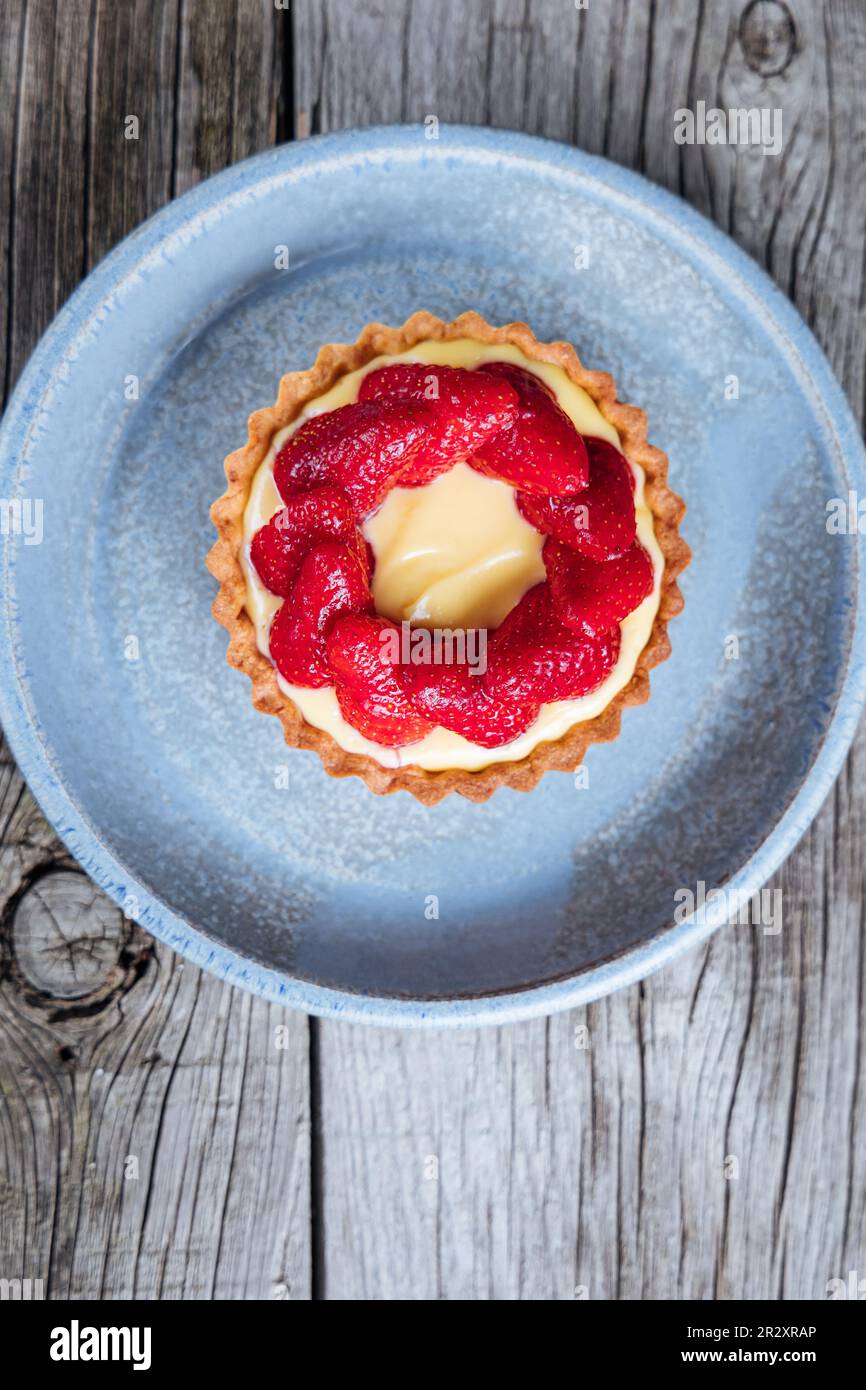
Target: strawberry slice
point(371, 697)
point(600, 521)
point(534, 656)
point(331, 580)
point(362, 448)
point(469, 410)
point(540, 452)
point(592, 597)
point(459, 701)
point(308, 518)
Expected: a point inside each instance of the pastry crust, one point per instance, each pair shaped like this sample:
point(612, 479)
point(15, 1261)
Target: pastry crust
point(227, 513)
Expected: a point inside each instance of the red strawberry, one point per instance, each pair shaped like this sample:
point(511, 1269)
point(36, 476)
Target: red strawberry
point(308, 518)
point(469, 410)
point(330, 581)
point(541, 452)
point(534, 656)
point(363, 448)
point(600, 521)
point(450, 696)
point(592, 597)
point(372, 700)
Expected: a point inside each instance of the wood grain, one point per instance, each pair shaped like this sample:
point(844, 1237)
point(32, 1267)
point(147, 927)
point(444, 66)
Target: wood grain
point(564, 1170)
point(696, 1136)
point(154, 1123)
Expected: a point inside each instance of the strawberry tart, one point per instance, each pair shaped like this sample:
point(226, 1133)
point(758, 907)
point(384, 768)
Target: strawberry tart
point(447, 557)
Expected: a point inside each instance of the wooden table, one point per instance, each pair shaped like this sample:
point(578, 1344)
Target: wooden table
point(164, 1136)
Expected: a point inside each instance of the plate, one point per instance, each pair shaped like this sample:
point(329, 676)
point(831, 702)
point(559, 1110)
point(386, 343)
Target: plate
point(141, 744)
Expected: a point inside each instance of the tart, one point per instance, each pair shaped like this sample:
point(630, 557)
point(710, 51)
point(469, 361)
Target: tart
point(447, 557)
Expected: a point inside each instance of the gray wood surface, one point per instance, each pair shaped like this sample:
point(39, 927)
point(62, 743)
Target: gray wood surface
point(697, 1136)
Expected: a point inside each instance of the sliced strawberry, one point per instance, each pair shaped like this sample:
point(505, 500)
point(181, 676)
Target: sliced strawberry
point(592, 597)
point(362, 654)
point(600, 521)
point(541, 452)
point(330, 581)
point(450, 696)
point(534, 656)
point(469, 410)
point(308, 518)
point(362, 448)
point(366, 554)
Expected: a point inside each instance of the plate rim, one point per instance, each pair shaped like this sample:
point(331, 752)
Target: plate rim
point(628, 965)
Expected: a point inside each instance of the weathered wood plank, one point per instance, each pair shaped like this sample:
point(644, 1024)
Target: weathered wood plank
point(513, 1163)
point(155, 1135)
point(228, 90)
point(132, 109)
point(44, 146)
point(154, 1126)
point(11, 42)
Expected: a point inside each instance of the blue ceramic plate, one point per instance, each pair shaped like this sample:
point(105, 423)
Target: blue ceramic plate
point(141, 744)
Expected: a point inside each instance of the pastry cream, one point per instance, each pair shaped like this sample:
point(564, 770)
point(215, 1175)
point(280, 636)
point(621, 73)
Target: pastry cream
point(455, 553)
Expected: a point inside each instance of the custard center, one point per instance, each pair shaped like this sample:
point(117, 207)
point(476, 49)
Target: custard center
point(454, 554)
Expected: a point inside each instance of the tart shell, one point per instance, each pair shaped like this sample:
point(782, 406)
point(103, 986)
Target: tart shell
point(224, 560)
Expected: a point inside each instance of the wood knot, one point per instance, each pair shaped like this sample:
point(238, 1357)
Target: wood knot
point(68, 948)
point(768, 36)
